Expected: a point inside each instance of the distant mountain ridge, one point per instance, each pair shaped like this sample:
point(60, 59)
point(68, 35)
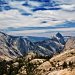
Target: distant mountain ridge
point(14, 46)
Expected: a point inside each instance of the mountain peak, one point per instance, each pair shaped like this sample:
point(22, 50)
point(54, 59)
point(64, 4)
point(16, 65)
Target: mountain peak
point(60, 38)
point(59, 35)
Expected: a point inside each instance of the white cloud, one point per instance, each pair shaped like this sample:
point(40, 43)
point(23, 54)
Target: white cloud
point(66, 1)
point(68, 7)
point(14, 18)
point(44, 32)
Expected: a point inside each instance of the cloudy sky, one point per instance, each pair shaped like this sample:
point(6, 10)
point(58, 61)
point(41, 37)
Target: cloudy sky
point(37, 19)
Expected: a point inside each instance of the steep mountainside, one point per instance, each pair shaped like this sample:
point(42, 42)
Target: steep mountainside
point(14, 46)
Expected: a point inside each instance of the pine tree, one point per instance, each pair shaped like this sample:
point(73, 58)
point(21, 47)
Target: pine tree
point(64, 65)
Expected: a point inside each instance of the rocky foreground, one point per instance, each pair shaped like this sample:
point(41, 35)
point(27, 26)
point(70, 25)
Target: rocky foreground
point(62, 61)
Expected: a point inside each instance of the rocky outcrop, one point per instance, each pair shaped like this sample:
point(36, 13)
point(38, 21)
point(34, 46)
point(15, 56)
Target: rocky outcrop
point(61, 64)
point(70, 44)
point(63, 72)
